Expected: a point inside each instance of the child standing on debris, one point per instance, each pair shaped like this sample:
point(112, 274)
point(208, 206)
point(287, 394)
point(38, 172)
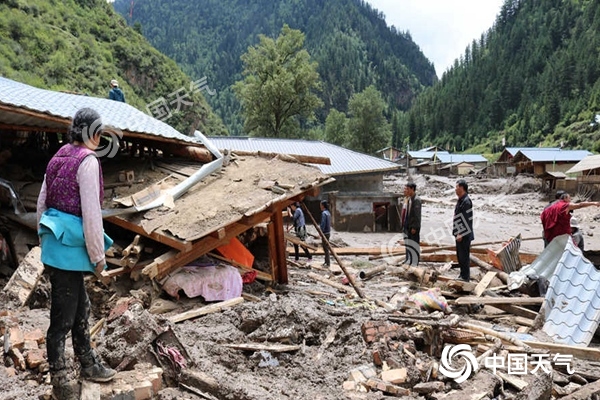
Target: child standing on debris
point(300, 229)
point(73, 242)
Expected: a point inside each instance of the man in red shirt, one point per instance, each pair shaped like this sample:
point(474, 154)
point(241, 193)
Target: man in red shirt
point(556, 219)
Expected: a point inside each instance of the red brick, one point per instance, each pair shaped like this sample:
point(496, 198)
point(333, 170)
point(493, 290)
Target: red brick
point(17, 340)
point(36, 335)
point(35, 358)
point(18, 359)
point(377, 358)
point(397, 375)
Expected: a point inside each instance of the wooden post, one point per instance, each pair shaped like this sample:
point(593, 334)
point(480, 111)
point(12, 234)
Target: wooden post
point(501, 274)
point(281, 273)
point(333, 253)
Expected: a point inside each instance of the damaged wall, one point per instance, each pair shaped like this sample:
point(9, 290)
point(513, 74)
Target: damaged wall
point(368, 182)
point(365, 212)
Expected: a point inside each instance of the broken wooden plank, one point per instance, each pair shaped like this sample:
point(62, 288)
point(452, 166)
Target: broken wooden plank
point(585, 353)
point(329, 282)
point(297, 157)
point(26, 277)
point(518, 311)
point(585, 392)
point(213, 308)
point(499, 300)
point(296, 240)
point(484, 283)
point(524, 321)
point(170, 241)
point(270, 347)
point(515, 382)
point(261, 275)
point(501, 274)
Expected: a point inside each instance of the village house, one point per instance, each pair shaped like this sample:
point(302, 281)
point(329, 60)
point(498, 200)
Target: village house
point(357, 200)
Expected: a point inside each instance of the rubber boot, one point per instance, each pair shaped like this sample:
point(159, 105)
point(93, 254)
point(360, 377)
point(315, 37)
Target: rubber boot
point(93, 370)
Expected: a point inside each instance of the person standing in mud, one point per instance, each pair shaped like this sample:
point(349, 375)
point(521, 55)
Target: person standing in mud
point(556, 219)
point(73, 243)
point(300, 229)
point(462, 229)
point(325, 226)
point(557, 196)
point(411, 224)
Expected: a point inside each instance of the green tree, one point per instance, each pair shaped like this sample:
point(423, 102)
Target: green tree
point(368, 128)
point(279, 85)
point(336, 128)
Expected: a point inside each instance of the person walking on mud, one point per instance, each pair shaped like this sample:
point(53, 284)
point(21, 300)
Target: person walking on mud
point(73, 243)
point(325, 226)
point(462, 229)
point(300, 229)
point(411, 224)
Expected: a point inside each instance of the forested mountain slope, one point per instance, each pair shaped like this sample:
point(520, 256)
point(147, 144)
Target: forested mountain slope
point(350, 41)
point(533, 78)
point(80, 45)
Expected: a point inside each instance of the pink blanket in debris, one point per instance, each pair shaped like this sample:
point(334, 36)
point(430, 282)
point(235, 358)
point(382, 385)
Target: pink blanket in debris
point(214, 283)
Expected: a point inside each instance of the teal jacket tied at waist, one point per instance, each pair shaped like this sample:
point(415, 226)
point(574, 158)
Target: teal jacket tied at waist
point(63, 242)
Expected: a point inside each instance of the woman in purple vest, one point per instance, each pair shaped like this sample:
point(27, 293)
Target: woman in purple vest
point(73, 242)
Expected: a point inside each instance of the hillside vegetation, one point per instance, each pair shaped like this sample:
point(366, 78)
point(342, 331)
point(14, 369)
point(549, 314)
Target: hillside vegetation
point(80, 45)
point(349, 40)
point(533, 79)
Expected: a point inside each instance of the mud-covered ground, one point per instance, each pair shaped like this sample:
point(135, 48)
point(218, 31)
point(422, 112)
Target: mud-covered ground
point(324, 323)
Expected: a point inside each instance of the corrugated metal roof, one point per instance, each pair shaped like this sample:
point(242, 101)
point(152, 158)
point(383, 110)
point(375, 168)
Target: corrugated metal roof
point(587, 164)
point(572, 306)
point(343, 161)
point(18, 97)
point(538, 155)
point(515, 150)
point(425, 155)
point(458, 158)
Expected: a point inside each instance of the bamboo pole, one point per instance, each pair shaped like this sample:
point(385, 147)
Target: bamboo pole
point(333, 253)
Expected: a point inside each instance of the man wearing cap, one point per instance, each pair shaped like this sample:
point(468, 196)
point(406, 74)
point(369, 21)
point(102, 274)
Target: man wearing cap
point(116, 93)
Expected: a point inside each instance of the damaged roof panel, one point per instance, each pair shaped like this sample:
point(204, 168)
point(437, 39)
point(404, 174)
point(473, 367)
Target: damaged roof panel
point(572, 305)
point(25, 105)
point(343, 161)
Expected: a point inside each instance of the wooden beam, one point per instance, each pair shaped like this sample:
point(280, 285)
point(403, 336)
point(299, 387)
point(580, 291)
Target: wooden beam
point(585, 392)
point(33, 128)
point(270, 347)
point(272, 249)
point(279, 239)
point(213, 308)
point(329, 282)
point(181, 245)
point(263, 276)
point(201, 247)
point(24, 280)
point(298, 157)
point(296, 240)
point(499, 300)
point(484, 283)
point(518, 311)
point(585, 353)
point(501, 274)
point(219, 233)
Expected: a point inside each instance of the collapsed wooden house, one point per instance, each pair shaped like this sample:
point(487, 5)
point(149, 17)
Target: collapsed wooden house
point(179, 193)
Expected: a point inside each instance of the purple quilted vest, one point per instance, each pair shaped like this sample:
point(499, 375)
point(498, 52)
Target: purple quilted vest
point(62, 189)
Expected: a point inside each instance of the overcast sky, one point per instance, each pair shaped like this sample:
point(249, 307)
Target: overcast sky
point(441, 28)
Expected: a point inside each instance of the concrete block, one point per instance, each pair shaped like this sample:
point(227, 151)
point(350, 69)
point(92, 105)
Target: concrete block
point(143, 390)
point(349, 385)
point(357, 376)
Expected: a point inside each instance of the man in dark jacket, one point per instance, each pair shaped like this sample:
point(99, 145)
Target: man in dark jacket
point(115, 92)
point(411, 224)
point(462, 229)
point(325, 226)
